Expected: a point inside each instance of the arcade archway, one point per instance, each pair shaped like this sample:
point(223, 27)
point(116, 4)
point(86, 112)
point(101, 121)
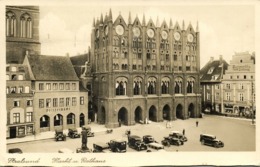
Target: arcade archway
point(166, 112)
point(191, 111)
point(153, 114)
point(138, 114)
point(122, 115)
point(103, 116)
point(179, 111)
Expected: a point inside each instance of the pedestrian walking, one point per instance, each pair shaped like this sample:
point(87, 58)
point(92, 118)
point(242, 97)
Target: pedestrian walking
point(197, 123)
point(119, 121)
point(183, 132)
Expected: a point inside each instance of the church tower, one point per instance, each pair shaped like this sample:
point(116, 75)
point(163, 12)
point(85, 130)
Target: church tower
point(144, 71)
point(22, 32)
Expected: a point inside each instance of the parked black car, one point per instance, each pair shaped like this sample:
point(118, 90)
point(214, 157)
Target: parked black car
point(117, 145)
point(15, 151)
point(207, 139)
point(172, 141)
point(100, 147)
point(88, 129)
point(136, 143)
point(149, 139)
point(59, 135)
point(73, 133)
point(178, 135)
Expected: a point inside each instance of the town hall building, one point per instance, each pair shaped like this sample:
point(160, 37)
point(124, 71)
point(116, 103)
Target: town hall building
point(144, 70)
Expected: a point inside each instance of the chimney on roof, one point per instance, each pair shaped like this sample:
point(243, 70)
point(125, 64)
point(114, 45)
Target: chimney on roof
point(211, 59)
point(220, 59)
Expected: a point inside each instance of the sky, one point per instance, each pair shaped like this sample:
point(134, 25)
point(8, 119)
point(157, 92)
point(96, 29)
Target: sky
point(224, 29)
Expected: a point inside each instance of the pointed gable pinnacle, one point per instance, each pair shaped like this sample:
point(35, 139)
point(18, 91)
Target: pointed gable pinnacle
point(143, 23)
point(93, 23)
point(171, 25)
point(101, 19)
point(197, 28)
point(110, 15)
point(183, 25)
point(129, 18)
point(157, 22)
point(105, 18)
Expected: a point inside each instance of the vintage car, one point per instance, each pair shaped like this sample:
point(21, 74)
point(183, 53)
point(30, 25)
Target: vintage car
point(155, 147)
point(15, 151)
point(73, 133)
point(88, 129)
point(59, 135)
point(80, 150)
point(148, 139)
point(178, 135)
point(65, 150)
point(117, 145)
point(100, 147)
point(171, 141)
point(136, 143)
point(207, 139)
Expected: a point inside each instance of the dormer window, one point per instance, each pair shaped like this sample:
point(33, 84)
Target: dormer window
point(211, 70)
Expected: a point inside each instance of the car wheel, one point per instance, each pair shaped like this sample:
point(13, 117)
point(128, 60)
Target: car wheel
point(215, 145)
point(202, 142)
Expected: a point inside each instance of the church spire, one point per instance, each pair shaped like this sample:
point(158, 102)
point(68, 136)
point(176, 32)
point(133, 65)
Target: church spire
point(157, 22)
point(143, 23)
point(129, 18)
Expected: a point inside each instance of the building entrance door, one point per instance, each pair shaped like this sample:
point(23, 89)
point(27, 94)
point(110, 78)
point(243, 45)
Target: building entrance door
point(12, 132)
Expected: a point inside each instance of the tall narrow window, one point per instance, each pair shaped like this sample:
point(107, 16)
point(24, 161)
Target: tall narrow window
point(48, 102)
point(26, 26)
point(61, 102)
point(67, 101)
point(16, 117)
point(81, 100)
point(29, 117)
point(55, 102)
point(41, 103)
point(10, 24)
point(74, 101)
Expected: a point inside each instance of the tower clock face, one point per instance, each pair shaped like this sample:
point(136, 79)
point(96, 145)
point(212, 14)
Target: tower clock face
point(177, 36)
point(136, 31)
point(164, 35)
point(120, 30)
point(97, 33)
point(150, 33)
point(106, 30)
point(190, 37)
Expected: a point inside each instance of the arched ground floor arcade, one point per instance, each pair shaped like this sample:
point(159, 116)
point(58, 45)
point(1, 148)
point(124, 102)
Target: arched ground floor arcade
point(126, 112)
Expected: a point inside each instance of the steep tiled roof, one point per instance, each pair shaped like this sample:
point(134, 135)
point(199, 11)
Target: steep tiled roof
point(213, 68)
point(79, 60)
point(57, 68)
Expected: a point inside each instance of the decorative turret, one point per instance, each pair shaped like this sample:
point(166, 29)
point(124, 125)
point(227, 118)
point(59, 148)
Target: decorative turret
point(105, 18)
point(129, 18)
point(101, 19)
point(183, 25)
point(143, 23)
point(171, 25)
point(157, 22)
point(110, 15)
